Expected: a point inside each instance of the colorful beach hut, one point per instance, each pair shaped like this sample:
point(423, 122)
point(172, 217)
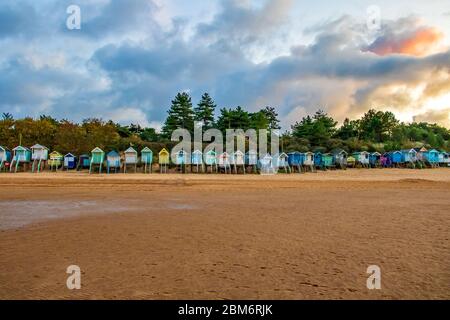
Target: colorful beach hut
point(375, 159)
point(211, 160)
point(295, 161)
point(340, 158)
point(39, 156)
point(318, 163)
point(224, 162)
point(308, 161)
point(420, 153)
point(266, 165)
point(282, 162)
point(131, 159)
point(163, 160)
point(113, 162)
point(197, 160)
point(147, 159)
point(362, 158)
point(238, 161)
point(409, 155)
point(351, 161)
point(431, 157)
point(327, 160)
point(70, 161)
point(84, 162)
point(251, 159)
point(55, 160)
point(97, 159)
point(385, 161)
point(5, 158)
point(396, 158)
point(446, 159)
point(21, 156)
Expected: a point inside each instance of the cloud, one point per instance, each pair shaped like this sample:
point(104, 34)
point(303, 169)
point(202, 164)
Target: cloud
point(408, 37)
point(435, 116)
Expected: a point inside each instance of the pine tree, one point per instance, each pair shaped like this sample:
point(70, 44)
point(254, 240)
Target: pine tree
point(204, 111)
point(180, 115)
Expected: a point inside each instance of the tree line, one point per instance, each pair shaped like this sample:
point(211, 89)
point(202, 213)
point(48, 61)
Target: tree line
point(374, 131)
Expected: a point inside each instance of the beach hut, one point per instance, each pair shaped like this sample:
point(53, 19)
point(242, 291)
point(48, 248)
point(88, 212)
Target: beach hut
point(318, 163)
point(211, 160)
point(251, 159)
point(396, 158)
point(131, 159)
point(282, 162)
point(446, 161)
point(420, 153)
point(163, 160)
point(266, 165)
point(5, 158)
point(21, 156)
point(295, 161)
point(70, 161)
point(409, 156)
point(113, 162)
point(385, 161)
point(238, 161)
point(55, 160)
point(375, 159)
point(351, 162)
point(147, 159)
point(327, 160)
point(84, 162)
point(308, 161)
point(224, 162)
point(431, 157)
point(340, 158)
point(39, 156)
point(197, 160)
point(97, 158)
point(362, 158)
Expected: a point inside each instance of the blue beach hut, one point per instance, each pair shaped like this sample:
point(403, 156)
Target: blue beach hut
point(395, 157)
point(197, 160)
point(112, 162)
point(5, 157)
point(431, 157)
point(70, 161)
point(147, 159)
point(295, 160)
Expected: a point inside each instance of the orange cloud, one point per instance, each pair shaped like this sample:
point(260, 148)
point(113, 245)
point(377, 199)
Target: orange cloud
point(421, 42)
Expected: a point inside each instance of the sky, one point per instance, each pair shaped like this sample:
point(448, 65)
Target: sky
point(130, 57)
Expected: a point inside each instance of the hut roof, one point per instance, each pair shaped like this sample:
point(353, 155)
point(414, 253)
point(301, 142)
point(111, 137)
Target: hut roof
point(84, 156)
point(146, 150)
point(113, 154)
point(3, 148)
point(211, 152)
point(164, 151)
point(408, 151)
point(69, 155)
point(20, 148)
point(239, 152)
point(252, 152)
point(338, 151)
point(56, 153)
point(38, 146)
point(422, 149)
point(130, 150)
point(284, 155)
point(295, 152)
point(97, 150)
point(376, 153)
point(197, 152)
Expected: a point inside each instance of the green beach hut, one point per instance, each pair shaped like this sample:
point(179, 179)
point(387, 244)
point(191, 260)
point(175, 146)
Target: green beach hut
point(147, 159)
point(21, 156)
point(97, 158)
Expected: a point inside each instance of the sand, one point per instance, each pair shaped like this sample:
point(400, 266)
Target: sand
point(309, 236)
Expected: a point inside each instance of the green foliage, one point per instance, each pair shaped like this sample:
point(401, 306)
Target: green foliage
point(180, 115)
point(204, 111)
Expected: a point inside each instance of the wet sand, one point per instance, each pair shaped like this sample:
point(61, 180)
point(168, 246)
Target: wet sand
point(226, 237)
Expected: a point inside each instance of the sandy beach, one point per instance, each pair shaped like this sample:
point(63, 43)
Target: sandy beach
point(308, 236)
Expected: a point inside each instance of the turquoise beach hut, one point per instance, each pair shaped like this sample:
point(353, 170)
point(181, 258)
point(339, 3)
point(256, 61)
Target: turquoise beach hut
point(211, 160)
point(97, 159)
point(431, 157)
point(21, 156)
point(147, 159)
point(84, 162)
